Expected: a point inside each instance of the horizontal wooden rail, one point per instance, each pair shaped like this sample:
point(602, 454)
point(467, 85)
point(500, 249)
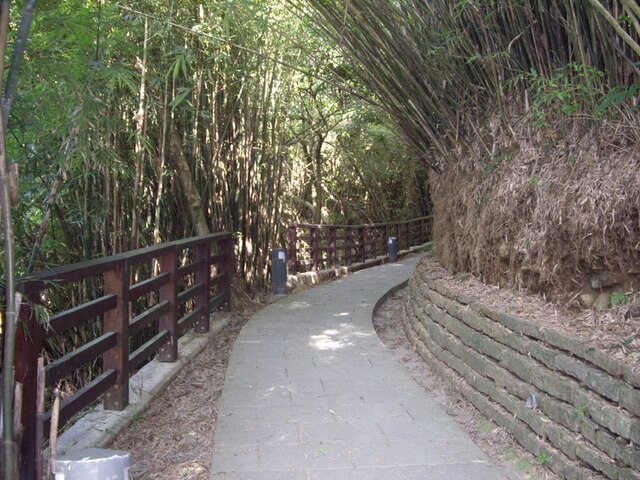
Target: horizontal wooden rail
point(147, 297)
point(317, 246)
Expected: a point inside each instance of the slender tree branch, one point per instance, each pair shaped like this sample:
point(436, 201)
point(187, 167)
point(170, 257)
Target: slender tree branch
point(16, 60)
point(9, 328)
point(615, 25)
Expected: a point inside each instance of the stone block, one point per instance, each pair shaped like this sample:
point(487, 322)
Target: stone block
point(543, 354)
point(559, 412)
point(629, 454)
point(583, 350)
point(607, 279)
point(605, 385)
point(604, 414)
point(587, 428)
point(562, 441)
point(493, 349)
point(572, 367)
point(598, 461)
point(556, 385)
point(499, 376)
point(634, 433)
point(628, 474)
point(490, 358)
point(631, 375)
point(607, 444)
point(520, 367)
point(514, 323)
point(562, 341)
point(475, 321)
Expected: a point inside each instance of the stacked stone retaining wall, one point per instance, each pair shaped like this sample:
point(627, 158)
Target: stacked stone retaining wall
point(586, 423)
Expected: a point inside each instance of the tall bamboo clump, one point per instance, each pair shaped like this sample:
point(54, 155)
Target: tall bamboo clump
point(525, 113)
point(433, 64)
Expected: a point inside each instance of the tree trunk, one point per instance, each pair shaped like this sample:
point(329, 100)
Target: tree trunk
point(140, 118)
point(11, 314)
point(318, 189)
point(191, 194)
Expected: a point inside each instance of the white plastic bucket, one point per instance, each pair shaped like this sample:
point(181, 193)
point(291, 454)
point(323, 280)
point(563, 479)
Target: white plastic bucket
point(92, 464)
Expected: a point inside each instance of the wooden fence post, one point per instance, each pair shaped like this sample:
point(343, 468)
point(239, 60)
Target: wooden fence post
point(29, 337)
point(292, 249)
point(427, 229)
point(385, 233)
point(333, 256)
point(348, 246)
point(227, 246)
point(203, 276)
point(116, 282)
point(407, 235)
point(361, 245)
point(313, 231)
point(373, 230)
point(169, 293)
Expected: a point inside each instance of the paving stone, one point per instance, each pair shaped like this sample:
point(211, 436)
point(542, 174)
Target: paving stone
point(312, 393)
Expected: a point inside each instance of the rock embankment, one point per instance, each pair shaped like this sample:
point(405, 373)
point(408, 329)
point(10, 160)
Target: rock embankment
point(574, 406)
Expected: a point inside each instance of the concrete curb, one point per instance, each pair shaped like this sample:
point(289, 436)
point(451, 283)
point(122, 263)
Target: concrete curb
point(99, 427)
point(310, 279)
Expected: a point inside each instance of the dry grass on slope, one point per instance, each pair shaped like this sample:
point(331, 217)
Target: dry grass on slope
point(544, 210)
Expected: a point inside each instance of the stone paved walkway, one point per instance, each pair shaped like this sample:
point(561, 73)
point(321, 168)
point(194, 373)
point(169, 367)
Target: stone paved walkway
point(312, 393)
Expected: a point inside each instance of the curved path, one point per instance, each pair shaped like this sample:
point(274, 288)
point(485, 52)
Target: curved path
point(312, 393)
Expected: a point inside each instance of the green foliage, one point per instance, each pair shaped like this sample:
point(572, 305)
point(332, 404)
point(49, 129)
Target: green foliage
point(617, 97)
point(625, 344)
point(462, 276)
point(544, 459)
point(619, 298)
point(375, 179)
point(436, 66)
point(581, 409)
point(571, 89)
point(229, 77)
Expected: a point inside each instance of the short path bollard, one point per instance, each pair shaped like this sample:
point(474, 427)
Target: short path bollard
point(279, 271)
point(93, 464)
point(392, 249)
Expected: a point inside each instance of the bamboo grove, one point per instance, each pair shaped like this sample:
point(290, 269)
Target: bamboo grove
point(525, 114)
point(435, 65)
point(146, 122)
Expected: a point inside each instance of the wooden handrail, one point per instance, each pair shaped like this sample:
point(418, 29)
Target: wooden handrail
point(317, 246)
point(180, 292)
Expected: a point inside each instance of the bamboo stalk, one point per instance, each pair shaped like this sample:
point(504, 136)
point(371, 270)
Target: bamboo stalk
point(40, 416)
point(17, 424)
point(632, 9)
point(615, 25)
point(53, 432)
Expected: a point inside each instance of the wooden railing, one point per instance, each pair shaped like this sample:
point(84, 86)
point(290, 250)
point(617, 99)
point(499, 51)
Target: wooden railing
point(317, 246)
point(140, 303)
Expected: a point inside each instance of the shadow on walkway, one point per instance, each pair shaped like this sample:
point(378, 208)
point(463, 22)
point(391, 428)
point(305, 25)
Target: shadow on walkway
point(312, 393)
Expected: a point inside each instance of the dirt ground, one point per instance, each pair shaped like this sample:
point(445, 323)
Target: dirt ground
point(173, 439)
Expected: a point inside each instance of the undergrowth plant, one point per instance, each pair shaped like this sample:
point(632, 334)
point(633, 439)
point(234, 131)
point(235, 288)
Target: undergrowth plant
point(574, 88)
point(619, 298)
point(544, 459)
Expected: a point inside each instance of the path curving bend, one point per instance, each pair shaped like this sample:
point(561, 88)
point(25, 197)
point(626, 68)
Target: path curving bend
point(311, 393)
